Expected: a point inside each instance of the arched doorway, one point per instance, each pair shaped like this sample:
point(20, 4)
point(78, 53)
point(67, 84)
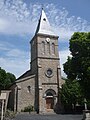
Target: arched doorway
point(50, 94)
point(49, 100)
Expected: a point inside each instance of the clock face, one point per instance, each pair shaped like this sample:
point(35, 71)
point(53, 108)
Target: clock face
point(48, 39)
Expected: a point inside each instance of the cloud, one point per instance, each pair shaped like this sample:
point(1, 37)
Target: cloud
point(13, 27)
point(15, 61)
point(17, 18)
point(3, 48)
point(15, 66)
point(63, 55)
point(64, 34)
point(4, 24)
point(17, 53)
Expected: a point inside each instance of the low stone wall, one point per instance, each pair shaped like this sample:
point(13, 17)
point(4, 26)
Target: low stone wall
point(86, 114)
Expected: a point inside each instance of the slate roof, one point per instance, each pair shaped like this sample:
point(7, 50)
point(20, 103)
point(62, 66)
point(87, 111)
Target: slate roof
point(26, 74)
point(44, 25)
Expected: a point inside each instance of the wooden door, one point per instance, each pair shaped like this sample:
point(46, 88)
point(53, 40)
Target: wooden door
point(49, 103)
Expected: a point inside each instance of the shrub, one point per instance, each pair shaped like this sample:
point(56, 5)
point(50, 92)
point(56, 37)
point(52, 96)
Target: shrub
point(28, 109)
point(9, 114)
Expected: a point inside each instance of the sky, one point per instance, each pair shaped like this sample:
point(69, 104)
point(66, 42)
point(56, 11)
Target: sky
point(18, 22)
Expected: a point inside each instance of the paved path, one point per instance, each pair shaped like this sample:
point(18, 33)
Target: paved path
point(47, 117)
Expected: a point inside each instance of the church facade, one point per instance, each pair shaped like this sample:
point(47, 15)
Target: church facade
point(39, 86)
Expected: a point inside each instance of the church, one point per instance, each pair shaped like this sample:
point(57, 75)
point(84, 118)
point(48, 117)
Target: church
point(40, 85)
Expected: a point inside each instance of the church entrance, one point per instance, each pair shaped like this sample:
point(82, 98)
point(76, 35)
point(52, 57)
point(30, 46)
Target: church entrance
point(49, 103)
point(49, 100)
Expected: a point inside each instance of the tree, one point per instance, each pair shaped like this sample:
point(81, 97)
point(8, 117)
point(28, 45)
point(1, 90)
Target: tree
point(78, 66)
point(6, 79)
point(71, 94)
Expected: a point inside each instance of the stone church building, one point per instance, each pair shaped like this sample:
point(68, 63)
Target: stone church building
point(39, 86)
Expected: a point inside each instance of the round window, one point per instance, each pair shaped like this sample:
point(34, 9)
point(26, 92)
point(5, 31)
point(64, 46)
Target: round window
point(49, 72)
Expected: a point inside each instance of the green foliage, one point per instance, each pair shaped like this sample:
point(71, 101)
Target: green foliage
point(71, 93)
point(78, 66)
point(9, 114)
point(28, 109)
point(6, 79)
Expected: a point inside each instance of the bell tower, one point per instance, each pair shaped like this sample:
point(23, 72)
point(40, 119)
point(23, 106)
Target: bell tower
point(45, 65)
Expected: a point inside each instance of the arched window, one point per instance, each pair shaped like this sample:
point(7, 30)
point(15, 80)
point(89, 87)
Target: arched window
point(29, 88)
point(43, 47)
point(53, 48)
point(48, 47)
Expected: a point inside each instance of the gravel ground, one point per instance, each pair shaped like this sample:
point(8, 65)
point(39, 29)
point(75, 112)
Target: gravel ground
point(47, 117)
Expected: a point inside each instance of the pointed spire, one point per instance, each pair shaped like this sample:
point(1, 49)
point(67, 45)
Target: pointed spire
point(44, 25)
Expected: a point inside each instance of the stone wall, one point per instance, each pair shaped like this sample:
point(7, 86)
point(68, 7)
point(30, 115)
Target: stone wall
point(26, 92)
point(22, 93)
